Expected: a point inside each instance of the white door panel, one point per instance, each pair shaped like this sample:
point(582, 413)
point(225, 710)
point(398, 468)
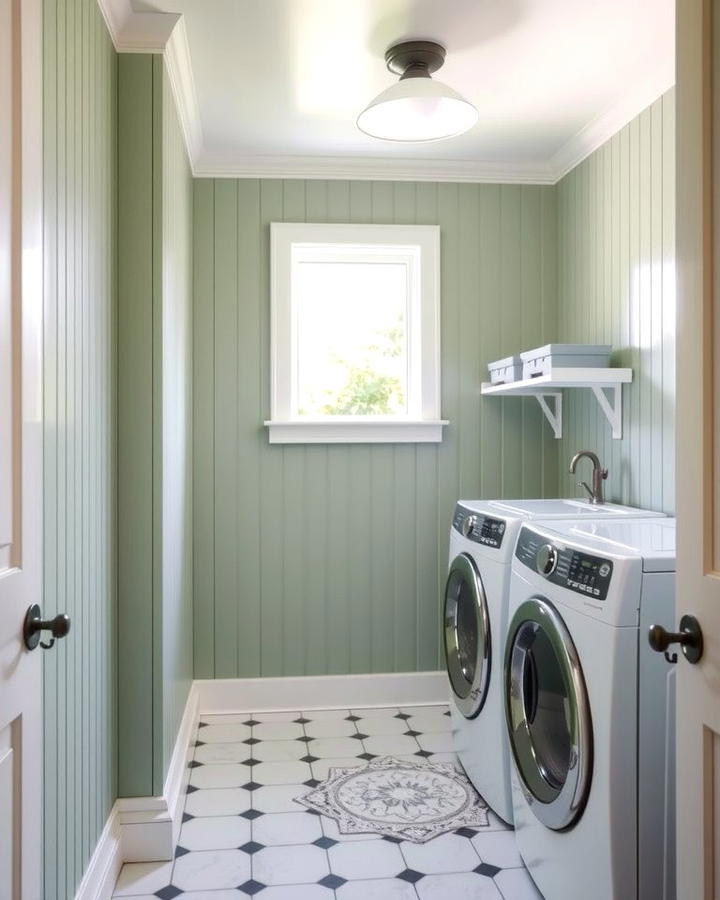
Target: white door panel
point(20, 444)
point(698, 454)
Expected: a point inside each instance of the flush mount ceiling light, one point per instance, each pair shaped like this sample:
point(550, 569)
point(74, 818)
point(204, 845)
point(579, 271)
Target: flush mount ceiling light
point(417, 108)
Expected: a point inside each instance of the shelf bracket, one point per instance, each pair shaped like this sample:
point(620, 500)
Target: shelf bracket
point(612, 410)
point(554, 416)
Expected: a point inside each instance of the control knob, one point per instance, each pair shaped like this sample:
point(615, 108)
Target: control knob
point(546, 560)
point(468, 524)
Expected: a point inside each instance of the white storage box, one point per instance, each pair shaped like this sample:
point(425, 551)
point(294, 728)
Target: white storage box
point(567, 356)
point(505, 371)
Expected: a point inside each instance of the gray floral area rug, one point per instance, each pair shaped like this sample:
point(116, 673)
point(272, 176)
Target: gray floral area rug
point(411, 801)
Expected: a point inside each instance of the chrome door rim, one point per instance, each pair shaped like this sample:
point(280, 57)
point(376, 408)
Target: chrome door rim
point(469, 696)
point(556, 806)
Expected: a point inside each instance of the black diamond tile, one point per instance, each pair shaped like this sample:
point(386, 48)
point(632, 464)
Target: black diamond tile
point(252, 741)
point(194, 764)
point(391, 840)
point(332, 881)
point(304, 738)
point(410, 875)
point(249, 762)
point(301, 721)
point(191, 789)
point(412, 733)
point(401, 716)
point(199, 743)
point(251, 814)
point(203, 724)
point(251, 786)
point(186, 817)
point(251, 887)
point(466, 832)
point(251, 847)
point(352, 718)
point(180, 851)
point(167, 893)
point(487, 869)
point(367, 756)
point(424, 753)
point(324, 843)
point(311, 782)
point(313, 812)
point(447, 712)
point(250, 723)
point(359, 736)
point(309, 759)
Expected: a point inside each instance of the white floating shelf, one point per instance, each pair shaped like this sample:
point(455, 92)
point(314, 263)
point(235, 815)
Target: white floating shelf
point(549, 387)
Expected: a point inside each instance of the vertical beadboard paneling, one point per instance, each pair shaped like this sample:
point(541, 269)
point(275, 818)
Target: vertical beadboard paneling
point(177, 288)
point(616, 286)
point(313, 559)
point(80, 182)
point(136, 600)
point(154, 425)
point(203, 430)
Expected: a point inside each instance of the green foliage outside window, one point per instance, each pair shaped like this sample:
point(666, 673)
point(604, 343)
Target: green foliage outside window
point(368, 390)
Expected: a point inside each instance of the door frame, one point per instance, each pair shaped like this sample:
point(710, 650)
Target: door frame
point(22, 576)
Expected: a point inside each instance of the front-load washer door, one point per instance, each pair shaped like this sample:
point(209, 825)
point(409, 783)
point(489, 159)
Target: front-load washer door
point(548, 714)
point(467, 635)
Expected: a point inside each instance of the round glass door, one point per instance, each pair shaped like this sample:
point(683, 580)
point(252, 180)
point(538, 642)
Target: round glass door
point(548, 714)
point(467, 635)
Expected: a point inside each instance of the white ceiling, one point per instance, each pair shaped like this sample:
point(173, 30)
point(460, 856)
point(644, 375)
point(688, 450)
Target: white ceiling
point(279, 83)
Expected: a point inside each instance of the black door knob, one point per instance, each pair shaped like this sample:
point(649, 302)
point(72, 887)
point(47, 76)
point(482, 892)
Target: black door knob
point(689, 637)
point(34, 625)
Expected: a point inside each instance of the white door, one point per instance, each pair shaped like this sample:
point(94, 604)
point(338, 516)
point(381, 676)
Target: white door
point(698, 456)
point(20, 445)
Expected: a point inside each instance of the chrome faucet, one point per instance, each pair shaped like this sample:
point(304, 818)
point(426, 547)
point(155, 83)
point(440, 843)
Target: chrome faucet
point(599, 474)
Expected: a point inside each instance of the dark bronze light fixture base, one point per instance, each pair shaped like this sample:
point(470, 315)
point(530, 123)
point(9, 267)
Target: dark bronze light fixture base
point(415, 59)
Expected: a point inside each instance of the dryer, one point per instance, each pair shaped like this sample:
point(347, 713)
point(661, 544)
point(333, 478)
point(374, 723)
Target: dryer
point(590, 708)
point(482, 539)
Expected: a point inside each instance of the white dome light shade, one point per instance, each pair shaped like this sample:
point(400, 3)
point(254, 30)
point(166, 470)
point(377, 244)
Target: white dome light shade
point(417, 109)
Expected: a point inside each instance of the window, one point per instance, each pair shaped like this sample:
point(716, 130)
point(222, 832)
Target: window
point(355, 333)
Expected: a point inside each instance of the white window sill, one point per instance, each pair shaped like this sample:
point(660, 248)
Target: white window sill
point(356, 432)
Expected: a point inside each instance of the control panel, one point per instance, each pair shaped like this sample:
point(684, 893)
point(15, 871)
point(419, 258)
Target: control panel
point(478, 527)
point(572, 569)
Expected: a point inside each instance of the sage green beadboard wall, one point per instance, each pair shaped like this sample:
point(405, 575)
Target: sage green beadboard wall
point(315, 559)
point(177, 255)
point(616, 234)
point(80, 181)
point(154, 425)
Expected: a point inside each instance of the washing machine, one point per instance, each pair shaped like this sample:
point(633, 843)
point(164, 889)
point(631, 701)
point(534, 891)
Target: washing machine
point(482, 539)
point(590, 708)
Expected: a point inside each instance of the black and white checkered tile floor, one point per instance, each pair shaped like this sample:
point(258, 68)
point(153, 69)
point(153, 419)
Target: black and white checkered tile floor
point(243, 834)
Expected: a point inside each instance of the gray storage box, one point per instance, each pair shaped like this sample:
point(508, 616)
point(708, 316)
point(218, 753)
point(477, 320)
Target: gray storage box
point(567, 356)
point(505, 371)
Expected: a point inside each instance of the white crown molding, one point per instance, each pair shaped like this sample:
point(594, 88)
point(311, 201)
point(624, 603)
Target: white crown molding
point(148, 32)
point(604, 126)
point(134, 32)
point(371, 169)
point(182, 84)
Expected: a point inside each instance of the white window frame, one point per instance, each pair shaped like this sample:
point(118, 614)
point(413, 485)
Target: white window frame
point(418, 247)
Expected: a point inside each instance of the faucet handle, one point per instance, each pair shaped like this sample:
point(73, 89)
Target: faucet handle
point(587, 488)
point(604, 474)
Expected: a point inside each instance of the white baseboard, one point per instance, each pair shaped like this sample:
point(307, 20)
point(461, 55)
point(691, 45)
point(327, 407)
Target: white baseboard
point(104, 867)
point(150, 825)
point(178, 772)
point(321, 691)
